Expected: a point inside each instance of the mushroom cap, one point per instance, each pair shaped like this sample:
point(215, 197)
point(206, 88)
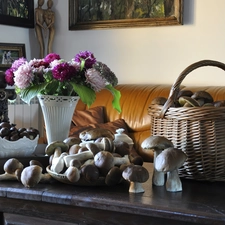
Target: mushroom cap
point(184, 93)
point(90, 173)
point(72, 141)
point(72, 174)
point(31, 176)
point(50, 148)
point(156, 143)
point(203, 95)
point(94, 133)
point(114, 176)
point(104, 161)
point(93, 148)
point(11, 165)
point(135, 173)
point(159, 101)
point(169, 160)
point(122, 148)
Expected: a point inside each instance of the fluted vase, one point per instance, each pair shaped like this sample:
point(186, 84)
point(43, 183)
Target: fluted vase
point(57, 112)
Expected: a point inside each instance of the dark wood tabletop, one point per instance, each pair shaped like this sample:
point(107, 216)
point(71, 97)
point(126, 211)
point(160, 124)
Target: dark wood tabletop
point(198, 203)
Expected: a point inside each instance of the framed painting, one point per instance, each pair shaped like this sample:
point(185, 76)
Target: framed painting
point(105, 14)
point(9, 53)
point(17, 13)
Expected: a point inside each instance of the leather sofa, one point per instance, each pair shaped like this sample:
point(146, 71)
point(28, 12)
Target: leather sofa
point(135, 100)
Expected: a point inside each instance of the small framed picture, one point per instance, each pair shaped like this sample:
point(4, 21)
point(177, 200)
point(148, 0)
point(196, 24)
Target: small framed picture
point(9, 52)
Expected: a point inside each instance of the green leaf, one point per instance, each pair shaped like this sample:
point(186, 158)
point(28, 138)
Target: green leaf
point(116, 97)
point(27, 94)
point(87, 95)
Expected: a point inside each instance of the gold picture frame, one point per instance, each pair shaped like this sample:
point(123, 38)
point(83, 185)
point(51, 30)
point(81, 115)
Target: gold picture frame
point(9, 52)
point(91, 15)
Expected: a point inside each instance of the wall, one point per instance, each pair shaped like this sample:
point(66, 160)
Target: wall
point(143, 55)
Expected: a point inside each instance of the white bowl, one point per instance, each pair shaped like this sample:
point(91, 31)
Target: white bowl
point(20, 148)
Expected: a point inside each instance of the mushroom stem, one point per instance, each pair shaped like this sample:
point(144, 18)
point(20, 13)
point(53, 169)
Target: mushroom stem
point(121, 160)
point(158, 178)
point(7, 176)
point(45, 178)
point(136, 187)
point(173, 182)
point(58, 163)
point(83, 156)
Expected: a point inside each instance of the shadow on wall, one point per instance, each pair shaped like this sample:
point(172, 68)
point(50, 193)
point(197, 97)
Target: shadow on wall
point(189, 12)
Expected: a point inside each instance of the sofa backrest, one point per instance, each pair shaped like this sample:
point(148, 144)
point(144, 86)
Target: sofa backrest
point(135, 100)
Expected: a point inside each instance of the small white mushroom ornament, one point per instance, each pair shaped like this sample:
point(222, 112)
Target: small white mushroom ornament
point(169, 161)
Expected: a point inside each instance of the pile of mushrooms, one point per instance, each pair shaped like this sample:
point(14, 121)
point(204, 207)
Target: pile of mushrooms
point(187, 98)
point(167, 160)
point(29, 176)
point(97, 155)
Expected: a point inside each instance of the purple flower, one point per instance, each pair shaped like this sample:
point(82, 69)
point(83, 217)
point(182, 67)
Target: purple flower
point(94, 78)
point(63, 72)
point(9, 77)
point(51, 57)
point(17, 63)
point(87, 56)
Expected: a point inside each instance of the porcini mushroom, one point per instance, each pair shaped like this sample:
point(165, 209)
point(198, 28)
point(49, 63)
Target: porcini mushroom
point(169, 161)
point(105, 161)
point(50, 148)
point(90, 173)
point(157, 144)
point(114, 176)
point(72, 173)
point(32, 175)
point(136, 175)
point(13, 168)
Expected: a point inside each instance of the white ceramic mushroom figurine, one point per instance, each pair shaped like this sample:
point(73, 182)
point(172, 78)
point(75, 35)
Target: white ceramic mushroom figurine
point(169, 161)
point(136, 175)
point(157, 144)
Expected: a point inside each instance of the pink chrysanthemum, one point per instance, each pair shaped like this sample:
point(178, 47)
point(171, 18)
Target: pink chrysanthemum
point(51, 57)
point(94, 78)
point(17, 63)
point(9, 77)
point(63, 72)
point(23, 76)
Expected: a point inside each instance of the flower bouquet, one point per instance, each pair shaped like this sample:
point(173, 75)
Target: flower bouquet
point(83, 76)
point(59, 85)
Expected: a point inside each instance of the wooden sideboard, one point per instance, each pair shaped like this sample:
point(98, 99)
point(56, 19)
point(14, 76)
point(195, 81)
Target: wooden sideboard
point(198, 203)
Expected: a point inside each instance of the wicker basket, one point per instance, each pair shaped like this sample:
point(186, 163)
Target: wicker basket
point(198, 131)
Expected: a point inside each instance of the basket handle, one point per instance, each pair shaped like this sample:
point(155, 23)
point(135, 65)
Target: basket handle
point(176, 86)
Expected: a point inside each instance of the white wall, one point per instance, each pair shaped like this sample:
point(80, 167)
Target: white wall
point(143, 55)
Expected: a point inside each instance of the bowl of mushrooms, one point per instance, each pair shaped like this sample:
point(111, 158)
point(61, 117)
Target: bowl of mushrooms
point(96, 160)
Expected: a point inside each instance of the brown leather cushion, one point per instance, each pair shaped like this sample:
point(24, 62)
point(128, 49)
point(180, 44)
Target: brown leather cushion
point(89, 116)
point(112, 126)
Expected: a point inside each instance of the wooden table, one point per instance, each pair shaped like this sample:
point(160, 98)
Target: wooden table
point(198, 203)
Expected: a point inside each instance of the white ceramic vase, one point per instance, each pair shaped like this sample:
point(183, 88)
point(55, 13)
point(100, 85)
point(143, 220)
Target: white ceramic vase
point(57, 112)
